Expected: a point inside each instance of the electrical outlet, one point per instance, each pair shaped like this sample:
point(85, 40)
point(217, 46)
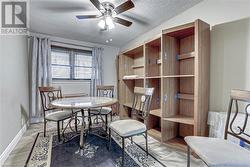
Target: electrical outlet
point(165, 56)
point(165, 98)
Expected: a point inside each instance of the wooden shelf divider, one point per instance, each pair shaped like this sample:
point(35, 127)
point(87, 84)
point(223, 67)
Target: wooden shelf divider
point(181, 119)
point(176, 143)
point(128, 105)
point(177, 76)
point(137, 78)
point(153, 77)
point(185, 96)
point(156, 112)
point(137, 66)
point(186, 56)
point(155, 133)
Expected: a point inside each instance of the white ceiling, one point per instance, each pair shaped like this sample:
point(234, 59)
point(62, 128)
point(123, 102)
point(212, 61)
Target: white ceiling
point(57, 18)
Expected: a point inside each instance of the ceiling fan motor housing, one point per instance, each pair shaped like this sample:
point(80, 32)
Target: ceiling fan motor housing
point(108, 8)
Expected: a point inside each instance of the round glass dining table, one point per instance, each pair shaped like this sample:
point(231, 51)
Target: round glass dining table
point(83, 103)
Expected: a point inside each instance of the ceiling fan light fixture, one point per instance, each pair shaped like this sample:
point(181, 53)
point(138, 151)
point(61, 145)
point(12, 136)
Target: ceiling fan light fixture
point(102, 24)
point(110, 22)
point(108, 14)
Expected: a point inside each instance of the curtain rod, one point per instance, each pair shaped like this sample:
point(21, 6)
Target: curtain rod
point(67, 43)
point(72, 44)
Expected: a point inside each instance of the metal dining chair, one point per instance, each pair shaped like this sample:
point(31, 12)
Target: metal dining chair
point(221, 152)
point(47, 95)
point(102, 91)
point(130, 127)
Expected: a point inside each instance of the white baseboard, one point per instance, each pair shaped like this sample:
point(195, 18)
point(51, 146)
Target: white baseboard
point(36, 120)
point(11, 146)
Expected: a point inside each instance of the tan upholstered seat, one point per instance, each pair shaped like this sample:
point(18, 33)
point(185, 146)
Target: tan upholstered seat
point(129, 127)
point(48, 94)
point(219, 152)
point(59, 115)
point(216, 152)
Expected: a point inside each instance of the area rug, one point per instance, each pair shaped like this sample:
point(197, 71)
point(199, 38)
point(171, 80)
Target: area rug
point(48, 152)
point(40, 155)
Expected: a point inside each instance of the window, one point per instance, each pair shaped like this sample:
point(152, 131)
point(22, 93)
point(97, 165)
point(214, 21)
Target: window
point(71, 64)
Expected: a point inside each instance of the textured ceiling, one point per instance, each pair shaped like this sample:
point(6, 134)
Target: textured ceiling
point(57, 18)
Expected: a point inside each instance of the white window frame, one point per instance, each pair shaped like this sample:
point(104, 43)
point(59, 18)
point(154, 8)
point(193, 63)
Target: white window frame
point(72, 65)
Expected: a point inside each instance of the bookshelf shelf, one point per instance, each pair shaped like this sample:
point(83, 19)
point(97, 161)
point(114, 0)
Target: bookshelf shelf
point(181, 119)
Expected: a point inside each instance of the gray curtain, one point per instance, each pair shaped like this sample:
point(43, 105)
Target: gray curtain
point(97, 75)
point(40, 71)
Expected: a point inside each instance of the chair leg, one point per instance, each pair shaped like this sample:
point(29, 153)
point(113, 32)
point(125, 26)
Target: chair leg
point(76, 122)
point(111, 116)
point(109, 139)
point(62, 123)
point(89, 117)
point(83, 121)
point(188, 156)
point(106, 122)
point(123, 151)
point(44, 128)
point(131, 140)
point(146, 137)
point(58, 131)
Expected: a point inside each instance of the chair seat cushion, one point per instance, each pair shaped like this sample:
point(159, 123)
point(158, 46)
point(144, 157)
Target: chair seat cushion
point(126, 128)
point(103, 110)
point(219, 152)
point(58, 115)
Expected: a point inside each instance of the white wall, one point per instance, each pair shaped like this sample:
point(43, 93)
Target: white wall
point(14, 94)
point(230, 61)
point(211, 11)
point(230, 44)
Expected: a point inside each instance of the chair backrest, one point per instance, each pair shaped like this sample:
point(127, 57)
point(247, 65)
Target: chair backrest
point(105, 91)
point(241, 99)
point(49, 94)
point(142, 103)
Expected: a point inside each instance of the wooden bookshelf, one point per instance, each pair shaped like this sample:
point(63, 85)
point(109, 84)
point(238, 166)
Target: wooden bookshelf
point(176, 64)
point(153, 58)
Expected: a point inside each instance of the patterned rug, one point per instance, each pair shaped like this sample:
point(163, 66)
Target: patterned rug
point(48, 152)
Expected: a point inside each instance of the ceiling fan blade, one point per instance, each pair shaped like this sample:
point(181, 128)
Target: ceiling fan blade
point(87, 16)
point(122, 21)
point(124, 7)
point(96, 3)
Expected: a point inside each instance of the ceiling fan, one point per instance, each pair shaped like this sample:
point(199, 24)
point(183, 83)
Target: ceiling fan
point(108, 14)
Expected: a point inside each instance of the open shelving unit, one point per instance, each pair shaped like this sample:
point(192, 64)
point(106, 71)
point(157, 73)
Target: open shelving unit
point(153, 58)
point(176, 64)
point(153, 75)
point(131, 74)
point(155, 115)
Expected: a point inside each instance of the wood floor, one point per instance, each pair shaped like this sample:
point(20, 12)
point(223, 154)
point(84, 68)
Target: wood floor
point(168, 156)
